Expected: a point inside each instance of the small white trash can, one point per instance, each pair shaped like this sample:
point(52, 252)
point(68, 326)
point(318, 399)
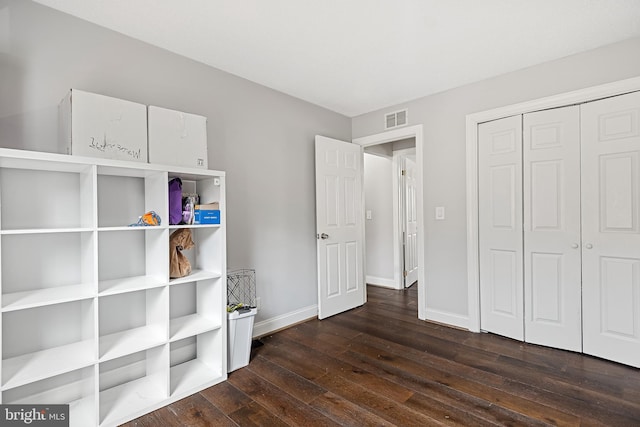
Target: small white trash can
point(240, 334)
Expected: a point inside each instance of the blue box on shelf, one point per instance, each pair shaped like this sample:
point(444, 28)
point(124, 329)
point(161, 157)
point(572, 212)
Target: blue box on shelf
point(207, 214)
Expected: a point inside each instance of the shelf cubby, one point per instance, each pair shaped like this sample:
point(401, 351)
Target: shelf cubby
point(205, 257)
point(193, 309)
point(130, 261)
point(60, 197)
point(46, 341)
point(48, 268)
point(124, 194)
point(130, 322)
point(195, 360)
point(130, 384)
point(75, 388)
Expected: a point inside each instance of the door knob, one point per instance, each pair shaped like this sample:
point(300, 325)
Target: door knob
point(588, 246)
point(575, 246)
point(324, 236)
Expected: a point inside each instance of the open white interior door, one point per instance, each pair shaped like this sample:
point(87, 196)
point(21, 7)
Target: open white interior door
point(410, 223)
point(339, 226)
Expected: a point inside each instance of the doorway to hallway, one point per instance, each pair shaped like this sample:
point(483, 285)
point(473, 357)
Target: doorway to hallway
point(391, 231)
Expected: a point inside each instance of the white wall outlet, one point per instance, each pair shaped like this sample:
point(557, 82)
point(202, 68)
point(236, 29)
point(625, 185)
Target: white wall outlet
point(369, 215)
point(440, 212)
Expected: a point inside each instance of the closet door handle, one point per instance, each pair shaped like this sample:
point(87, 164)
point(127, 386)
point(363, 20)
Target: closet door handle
point(588, 246)
point(575, 246)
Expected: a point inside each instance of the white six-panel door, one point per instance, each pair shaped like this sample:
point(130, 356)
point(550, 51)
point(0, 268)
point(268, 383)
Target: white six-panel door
point(611, 228)
point(552, 266)
point(500, 226)
point(339, 225)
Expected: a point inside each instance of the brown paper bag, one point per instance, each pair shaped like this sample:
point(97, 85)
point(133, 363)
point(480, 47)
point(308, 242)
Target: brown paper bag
point(179, 265)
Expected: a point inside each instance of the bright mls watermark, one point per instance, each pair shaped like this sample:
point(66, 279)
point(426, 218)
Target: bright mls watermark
point(34, 415)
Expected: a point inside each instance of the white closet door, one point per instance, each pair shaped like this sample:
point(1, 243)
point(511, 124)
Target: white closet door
point(611, 228)
point(552, 268)
point(500, 226)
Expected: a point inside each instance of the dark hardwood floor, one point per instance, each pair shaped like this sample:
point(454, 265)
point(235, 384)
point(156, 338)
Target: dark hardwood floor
point(379, 365)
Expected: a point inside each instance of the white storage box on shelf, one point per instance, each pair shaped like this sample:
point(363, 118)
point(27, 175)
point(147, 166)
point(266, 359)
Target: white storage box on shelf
point(101, 126)
point(177, 138)
point(240, 331)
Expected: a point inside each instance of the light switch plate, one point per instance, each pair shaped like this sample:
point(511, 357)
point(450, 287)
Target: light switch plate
point(369, 215)
point(440, 212)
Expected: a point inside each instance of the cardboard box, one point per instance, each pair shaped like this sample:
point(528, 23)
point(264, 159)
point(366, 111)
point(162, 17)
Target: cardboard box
point(208, 206)
point(207, 213)
point(177, 138)
point(101, 126)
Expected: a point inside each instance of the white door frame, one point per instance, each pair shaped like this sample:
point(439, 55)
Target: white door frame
point(396, 135)
point(397, 223)
point(472, 121)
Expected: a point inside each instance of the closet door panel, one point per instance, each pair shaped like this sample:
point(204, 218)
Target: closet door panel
point(611, 228)
point(500, 226)
point(551, 193)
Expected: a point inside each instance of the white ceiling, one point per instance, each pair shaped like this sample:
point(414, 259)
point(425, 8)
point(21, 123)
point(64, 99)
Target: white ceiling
point(356, 56)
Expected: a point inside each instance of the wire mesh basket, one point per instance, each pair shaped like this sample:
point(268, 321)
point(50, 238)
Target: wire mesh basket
point(241, 288)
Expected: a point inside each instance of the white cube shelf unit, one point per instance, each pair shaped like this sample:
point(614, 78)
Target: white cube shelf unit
point(90, 316)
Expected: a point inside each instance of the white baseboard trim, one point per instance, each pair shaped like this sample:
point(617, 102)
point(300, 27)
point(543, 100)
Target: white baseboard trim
point(381, 281)
point(265, 327)
point(447, 318)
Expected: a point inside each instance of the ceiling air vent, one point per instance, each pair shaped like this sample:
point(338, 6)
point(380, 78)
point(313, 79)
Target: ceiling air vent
point(396, 119)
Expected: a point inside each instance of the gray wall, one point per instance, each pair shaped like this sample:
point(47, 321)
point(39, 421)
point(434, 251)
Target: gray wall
point(262, 138)
point(443, 118)
point(378, 198)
